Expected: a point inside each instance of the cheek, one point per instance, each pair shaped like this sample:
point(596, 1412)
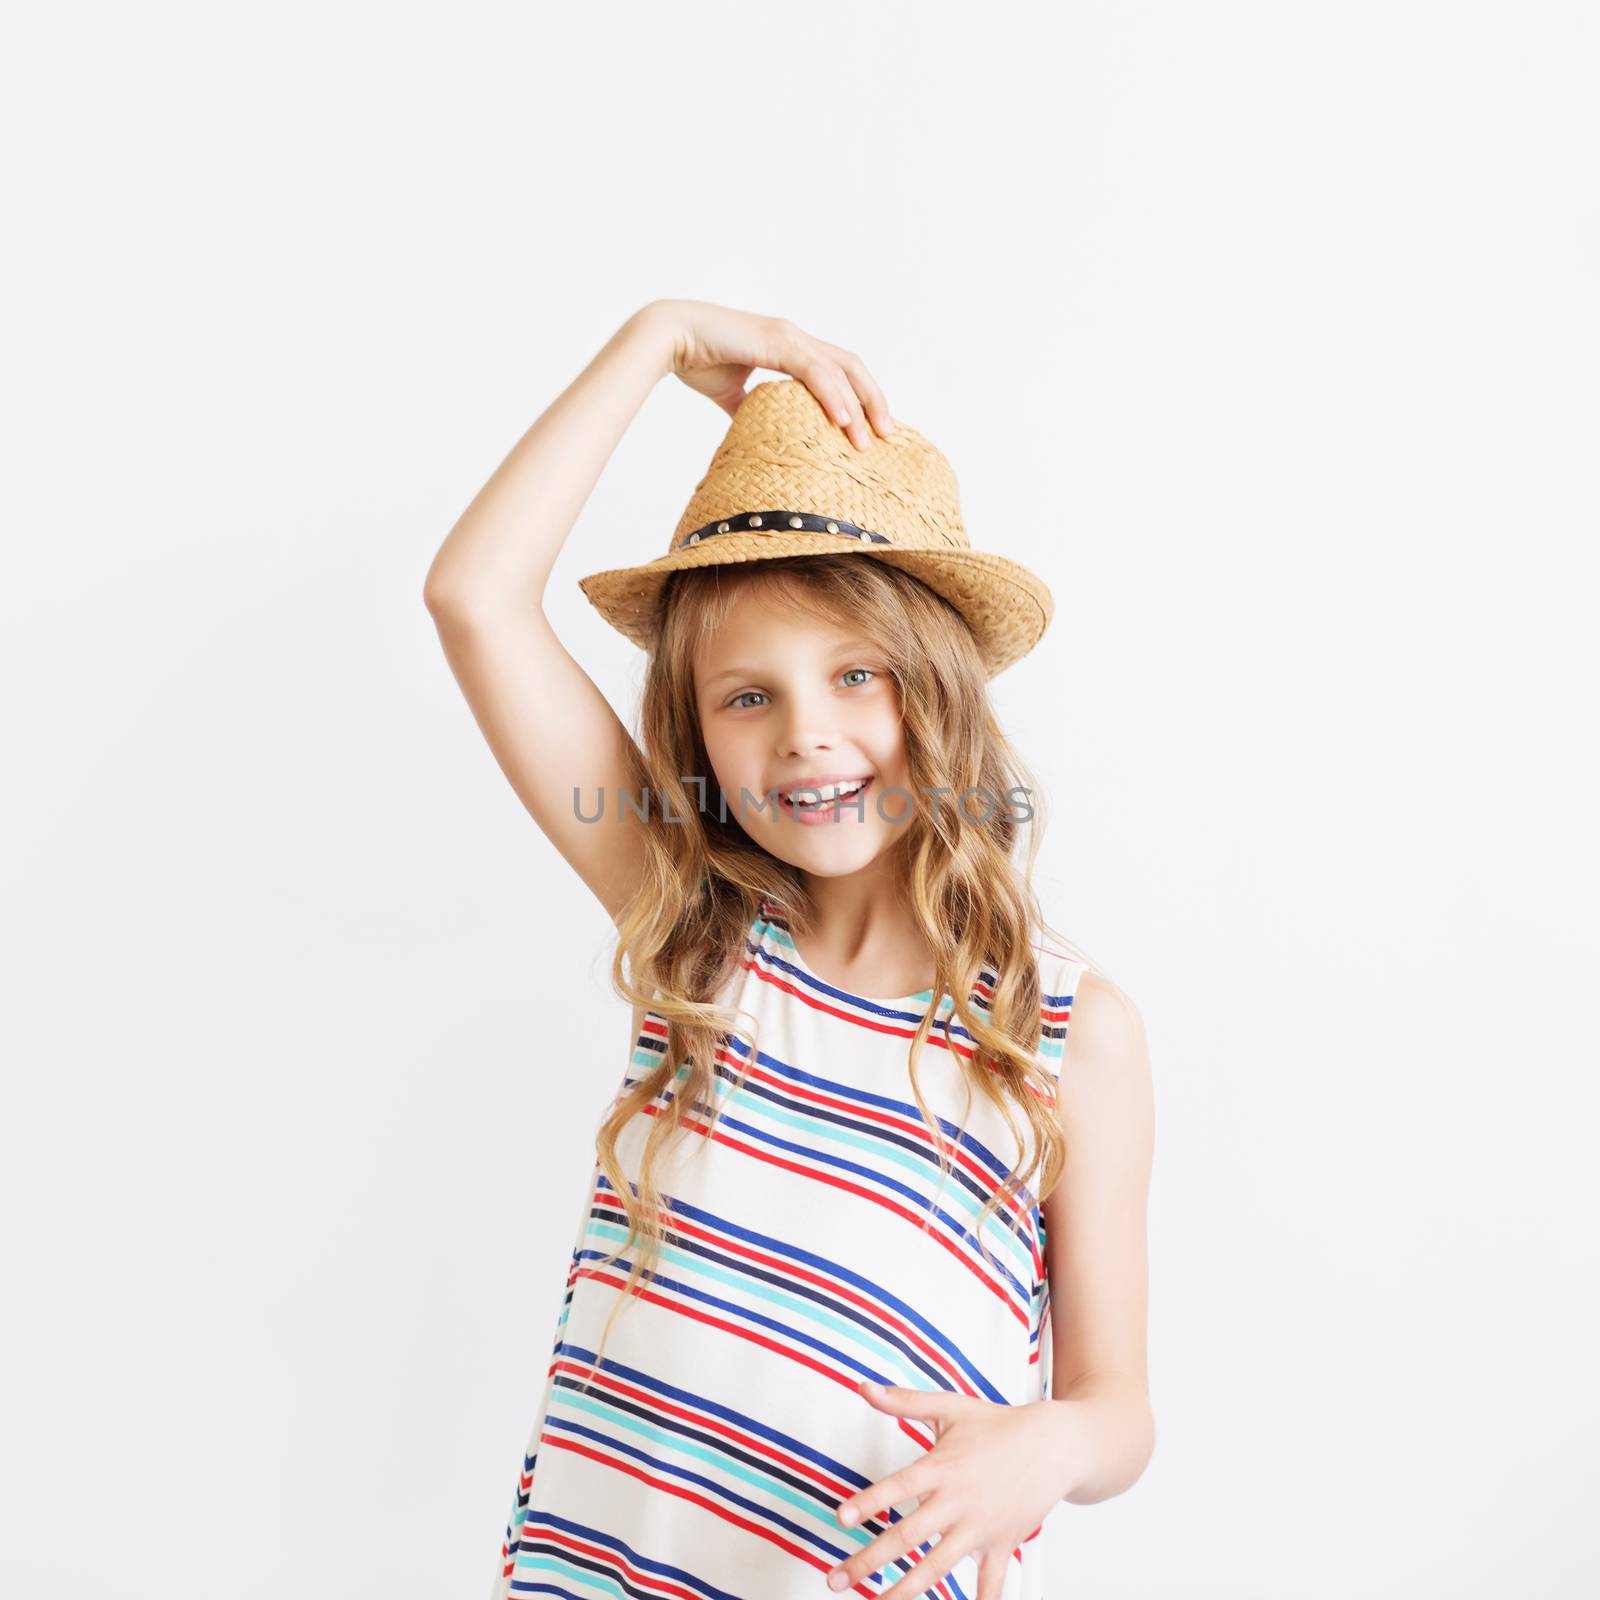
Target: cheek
point(888, 741)
point(731, 762)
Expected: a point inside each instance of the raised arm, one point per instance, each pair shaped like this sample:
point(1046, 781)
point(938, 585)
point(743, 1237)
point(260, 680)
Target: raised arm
point(549, 726)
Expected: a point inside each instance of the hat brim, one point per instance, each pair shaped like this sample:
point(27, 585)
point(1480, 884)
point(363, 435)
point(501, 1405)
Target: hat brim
point(1007, 607)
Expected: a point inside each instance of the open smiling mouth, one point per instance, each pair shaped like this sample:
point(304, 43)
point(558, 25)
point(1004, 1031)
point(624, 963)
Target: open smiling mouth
point(847, 796)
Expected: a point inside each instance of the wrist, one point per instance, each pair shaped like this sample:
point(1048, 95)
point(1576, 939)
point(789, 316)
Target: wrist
point(1106, 1436)
point(654, 330)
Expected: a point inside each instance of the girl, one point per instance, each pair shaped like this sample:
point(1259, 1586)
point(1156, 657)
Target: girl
point(807, 1330)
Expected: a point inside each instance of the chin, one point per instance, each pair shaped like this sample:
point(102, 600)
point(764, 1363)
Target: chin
point(834, 861)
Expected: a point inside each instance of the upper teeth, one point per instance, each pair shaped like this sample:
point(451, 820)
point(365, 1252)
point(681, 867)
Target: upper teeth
point(825, 792)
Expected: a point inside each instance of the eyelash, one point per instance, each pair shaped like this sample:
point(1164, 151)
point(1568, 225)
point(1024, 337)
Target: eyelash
point(733, 704)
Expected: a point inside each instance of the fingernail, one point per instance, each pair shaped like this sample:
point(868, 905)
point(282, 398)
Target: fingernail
point(837, 1580)
point(847, 1515)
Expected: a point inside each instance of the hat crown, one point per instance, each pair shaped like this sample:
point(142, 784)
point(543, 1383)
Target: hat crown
point(786, 481)
point(783, 456)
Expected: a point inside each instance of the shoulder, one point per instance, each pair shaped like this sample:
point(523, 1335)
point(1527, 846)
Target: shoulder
point(1101, 1050)
point(1104, 1017)
point(1105, 1069)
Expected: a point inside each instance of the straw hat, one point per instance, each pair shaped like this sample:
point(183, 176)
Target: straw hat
point(787, 481)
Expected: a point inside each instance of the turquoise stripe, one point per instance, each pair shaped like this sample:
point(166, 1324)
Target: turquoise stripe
point(716, 1460)
point(779, 1300)
point(595, 1582)
point(873, 1150)
point(996, 1233)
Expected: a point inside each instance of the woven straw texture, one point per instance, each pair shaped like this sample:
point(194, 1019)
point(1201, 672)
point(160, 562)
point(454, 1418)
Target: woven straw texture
point(783, 453)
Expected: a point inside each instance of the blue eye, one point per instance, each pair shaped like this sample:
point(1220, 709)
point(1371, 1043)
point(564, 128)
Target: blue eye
point(736, 703)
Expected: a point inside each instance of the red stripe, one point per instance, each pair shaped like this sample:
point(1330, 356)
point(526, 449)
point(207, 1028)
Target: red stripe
point(660, 1405)
point(896, 1030)
point(901, 1121)
point(836, 1182)
point(655, 1582)
point(771, 1535)
point(751, 1335)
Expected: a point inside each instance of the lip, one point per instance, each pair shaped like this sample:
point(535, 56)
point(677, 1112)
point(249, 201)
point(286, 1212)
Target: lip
point(788, 789)
point(830, 813)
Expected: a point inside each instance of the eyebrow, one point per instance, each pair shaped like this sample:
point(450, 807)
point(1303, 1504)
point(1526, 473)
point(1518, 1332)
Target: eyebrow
point(732, 672)
point(844, 648)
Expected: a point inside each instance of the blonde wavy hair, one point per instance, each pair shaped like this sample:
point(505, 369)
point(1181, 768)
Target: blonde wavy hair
point(683, 937)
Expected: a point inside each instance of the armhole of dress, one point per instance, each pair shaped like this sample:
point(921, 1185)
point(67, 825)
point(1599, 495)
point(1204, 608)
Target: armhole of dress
point(1061, 970)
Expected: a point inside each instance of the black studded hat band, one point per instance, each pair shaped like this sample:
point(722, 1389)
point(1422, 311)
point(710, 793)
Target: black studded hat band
point(783, 451)
point(781, 521)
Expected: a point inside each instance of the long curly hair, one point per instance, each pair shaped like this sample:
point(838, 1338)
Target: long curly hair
point(682, 939)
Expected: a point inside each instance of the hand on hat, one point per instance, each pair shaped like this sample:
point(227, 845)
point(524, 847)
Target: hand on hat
point(716, 348)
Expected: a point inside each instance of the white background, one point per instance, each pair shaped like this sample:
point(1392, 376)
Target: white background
point(1267, 333)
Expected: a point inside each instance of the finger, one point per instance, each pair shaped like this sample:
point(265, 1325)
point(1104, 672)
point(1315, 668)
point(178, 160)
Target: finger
point(868, 394)
point(953, 1547)
point(852, 414)
point(816, 365)
point(906, 1535)
point(876, 1499)
point(938, 1405)
point(732, 393)
point(992, 1575)
point(841, 402)
point(859, 429)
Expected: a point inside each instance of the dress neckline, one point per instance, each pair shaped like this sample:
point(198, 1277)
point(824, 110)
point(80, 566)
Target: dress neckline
point(773, 915)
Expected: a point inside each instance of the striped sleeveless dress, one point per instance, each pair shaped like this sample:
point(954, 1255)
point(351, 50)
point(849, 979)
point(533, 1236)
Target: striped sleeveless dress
point(706, 1458)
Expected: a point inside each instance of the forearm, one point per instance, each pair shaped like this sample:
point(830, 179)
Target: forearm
point(1113, 1429)
point(504, 544)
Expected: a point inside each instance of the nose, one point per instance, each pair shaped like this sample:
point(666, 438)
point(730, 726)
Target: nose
point(805, 728)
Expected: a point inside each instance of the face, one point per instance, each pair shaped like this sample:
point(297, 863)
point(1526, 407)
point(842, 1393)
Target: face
point(786, 699)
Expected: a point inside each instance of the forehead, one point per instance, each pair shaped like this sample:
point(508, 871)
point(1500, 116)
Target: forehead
point(762, 629)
